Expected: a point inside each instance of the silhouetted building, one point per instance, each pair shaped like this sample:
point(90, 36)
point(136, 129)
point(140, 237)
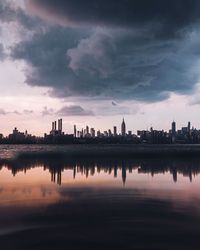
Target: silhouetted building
point(123, 128)
point(183, 135)
point(98, 133)
point(60, 125)
point(129, 133)
point(173, 132)
point(55, 125)
point(75, 131)
point(106, 133)
point(189, 127)
point(173, 128)
point(115, 131)
point(92, 132)
point(87, 130)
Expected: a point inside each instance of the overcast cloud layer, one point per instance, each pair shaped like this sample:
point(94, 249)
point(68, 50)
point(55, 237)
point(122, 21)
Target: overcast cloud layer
point(134, 49)
point(164, 17)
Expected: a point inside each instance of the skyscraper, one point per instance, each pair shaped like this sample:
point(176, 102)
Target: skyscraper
point(173, 128)
point(52, 126)
point(115, 131)
point(60, 125)
point(87, 130)
point(173, 132)
point(92, 132)
point(75, 132)
point(123, 128)
point(55, 125)
point(189, 127)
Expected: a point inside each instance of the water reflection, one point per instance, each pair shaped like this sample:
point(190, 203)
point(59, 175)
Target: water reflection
point(89, 167)
point(37, 214)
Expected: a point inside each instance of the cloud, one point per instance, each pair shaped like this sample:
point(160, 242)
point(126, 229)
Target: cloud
point(2, 53)
point(28, 112)
point(166, 18)
point(45, 54)
point(114, 103)
point(15, 112)
point(11, 12)
point(118, 55)
point(3, 112)
point(110, 64)
point(122, 108)
point(115, 111)
point(74, 110)
point(47, 111)
point(195, 99)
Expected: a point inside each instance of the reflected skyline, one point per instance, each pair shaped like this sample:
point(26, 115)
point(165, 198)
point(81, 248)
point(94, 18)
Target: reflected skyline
point(129, 198)
point(118, 168)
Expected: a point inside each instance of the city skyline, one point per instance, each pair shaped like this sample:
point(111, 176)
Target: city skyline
point(99, 124)
point(97, 70)
point(115, 135)
point(68, 128)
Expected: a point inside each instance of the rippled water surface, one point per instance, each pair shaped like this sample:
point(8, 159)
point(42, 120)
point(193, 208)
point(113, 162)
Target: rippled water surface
point(54, 202)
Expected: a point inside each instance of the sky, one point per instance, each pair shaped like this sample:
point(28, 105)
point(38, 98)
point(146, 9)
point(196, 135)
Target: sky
point(94, 62)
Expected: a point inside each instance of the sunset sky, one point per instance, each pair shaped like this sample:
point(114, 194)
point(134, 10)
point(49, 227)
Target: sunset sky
point(96, 61)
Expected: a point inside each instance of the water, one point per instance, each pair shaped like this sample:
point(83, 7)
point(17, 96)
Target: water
point(49, 201)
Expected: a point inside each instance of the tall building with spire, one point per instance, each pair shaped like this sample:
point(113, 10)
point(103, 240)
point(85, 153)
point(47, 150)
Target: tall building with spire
point(123, 128)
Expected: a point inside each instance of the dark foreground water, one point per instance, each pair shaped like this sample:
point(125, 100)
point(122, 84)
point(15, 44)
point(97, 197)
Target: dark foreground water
point(56, 202)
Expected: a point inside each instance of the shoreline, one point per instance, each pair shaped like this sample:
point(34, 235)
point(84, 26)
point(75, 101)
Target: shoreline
point(101, 150)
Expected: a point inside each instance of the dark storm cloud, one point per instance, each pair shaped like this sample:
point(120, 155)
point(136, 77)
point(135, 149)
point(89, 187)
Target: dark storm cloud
point(109, 64)
point(151, 50)
point(7, 13)
point(12, 13)
point(45, 53)
point(164, 17)
point(71, 110)
point(74, 110)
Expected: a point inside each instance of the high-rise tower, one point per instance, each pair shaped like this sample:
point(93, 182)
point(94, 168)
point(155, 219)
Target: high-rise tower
point(115, 131)
point(123, 128)
point(75, 131)
point(189, 127)
point(173, 128)
point(173, 132)
point(60, 125)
